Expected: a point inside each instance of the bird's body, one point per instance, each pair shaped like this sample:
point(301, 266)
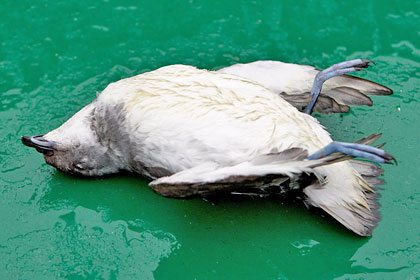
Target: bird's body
point(183, 126)
point(186, 117)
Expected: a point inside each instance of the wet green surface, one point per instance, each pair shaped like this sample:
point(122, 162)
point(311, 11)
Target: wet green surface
point(56, 55)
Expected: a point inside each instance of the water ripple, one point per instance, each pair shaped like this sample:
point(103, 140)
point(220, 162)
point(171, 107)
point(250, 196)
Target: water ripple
point(82, 245)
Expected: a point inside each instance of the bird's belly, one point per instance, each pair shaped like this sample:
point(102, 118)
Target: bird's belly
point(204, 117)
point(170, 144)
point(179, 149)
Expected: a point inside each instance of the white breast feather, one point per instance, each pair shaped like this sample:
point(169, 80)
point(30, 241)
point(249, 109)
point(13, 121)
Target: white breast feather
point(189, 117)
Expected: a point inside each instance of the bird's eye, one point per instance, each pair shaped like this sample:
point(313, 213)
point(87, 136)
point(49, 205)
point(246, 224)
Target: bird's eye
point(78, 166)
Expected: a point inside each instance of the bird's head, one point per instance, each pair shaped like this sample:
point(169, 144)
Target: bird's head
point(74, 147)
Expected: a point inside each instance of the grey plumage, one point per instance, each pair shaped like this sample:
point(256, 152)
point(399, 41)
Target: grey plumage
point(369, 171)
point(366, 168)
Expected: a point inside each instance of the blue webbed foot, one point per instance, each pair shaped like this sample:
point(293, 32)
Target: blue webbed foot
point(335, 70)
point(354, 150)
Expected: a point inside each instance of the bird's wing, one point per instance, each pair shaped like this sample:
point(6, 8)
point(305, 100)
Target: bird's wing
point(210, 179)
point(294, 82)
point(269, 174)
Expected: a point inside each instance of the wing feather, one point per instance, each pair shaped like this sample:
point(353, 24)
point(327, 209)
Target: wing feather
point(294, 82)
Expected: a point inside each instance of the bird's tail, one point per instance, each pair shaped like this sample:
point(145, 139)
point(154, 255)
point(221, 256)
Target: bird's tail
point(349, 194)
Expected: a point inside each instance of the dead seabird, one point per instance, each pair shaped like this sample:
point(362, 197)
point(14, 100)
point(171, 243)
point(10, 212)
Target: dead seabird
point(198, 132)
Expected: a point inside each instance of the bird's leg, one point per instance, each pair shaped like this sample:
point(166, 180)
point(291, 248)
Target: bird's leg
point(335, 70)
point(354, 150)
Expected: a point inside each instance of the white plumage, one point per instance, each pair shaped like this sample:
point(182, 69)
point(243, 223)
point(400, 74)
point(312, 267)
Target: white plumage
point(185, 127)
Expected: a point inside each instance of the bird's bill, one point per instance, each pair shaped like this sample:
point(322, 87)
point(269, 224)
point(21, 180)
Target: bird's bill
point(38, 142)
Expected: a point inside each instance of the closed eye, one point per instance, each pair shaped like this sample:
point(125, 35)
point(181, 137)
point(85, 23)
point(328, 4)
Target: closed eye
point(78, 166)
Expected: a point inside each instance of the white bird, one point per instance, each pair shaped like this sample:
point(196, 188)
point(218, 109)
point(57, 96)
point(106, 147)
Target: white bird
point(198, 132)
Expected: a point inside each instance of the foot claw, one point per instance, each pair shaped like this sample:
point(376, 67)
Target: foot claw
point(389, 159)
point(367, 61)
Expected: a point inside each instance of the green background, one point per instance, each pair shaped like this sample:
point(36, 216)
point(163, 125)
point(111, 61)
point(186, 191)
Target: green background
point(55, 56)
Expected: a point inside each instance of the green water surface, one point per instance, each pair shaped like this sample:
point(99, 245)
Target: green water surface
point(55, 56)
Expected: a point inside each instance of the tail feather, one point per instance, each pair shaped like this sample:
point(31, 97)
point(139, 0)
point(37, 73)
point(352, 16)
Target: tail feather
point(357, 218)
point(369, 172)
point(353, 203)
point(366, 168)
point(352, 91)
point(348, 96)
point(362, 85)
point(356, 208)
point(325, 104)
point(349, 91)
